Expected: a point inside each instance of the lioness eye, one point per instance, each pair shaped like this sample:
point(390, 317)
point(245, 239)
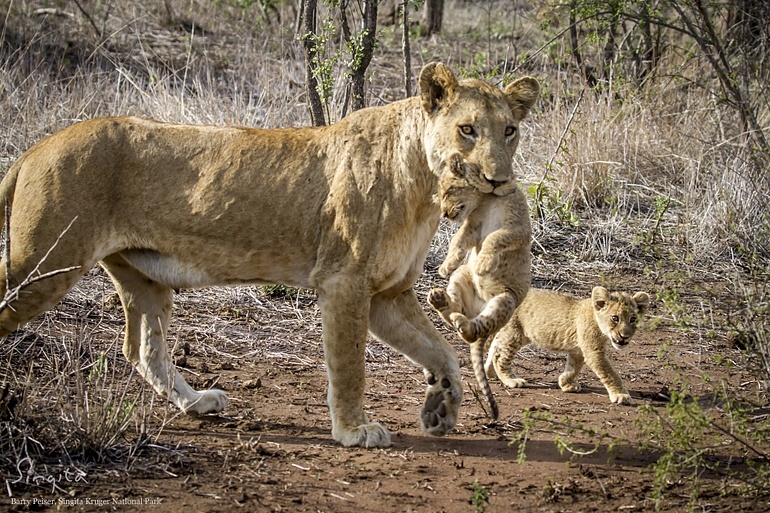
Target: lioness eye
point(466, 129)
point(615, 318)
point(510, 130)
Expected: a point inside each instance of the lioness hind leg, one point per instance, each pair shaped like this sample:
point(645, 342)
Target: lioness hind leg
point(147, 305)
point(400, 322)
point(38, 296)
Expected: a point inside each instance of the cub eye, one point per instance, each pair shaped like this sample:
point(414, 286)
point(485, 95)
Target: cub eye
point(615, 319)
point(632, 320)
point(510, 130)
point(467, 129)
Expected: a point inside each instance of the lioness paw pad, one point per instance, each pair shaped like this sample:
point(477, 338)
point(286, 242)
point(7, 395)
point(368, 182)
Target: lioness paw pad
point(442, 401)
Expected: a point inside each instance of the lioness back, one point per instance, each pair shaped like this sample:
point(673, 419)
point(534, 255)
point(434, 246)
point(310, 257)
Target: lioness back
point(580, 328)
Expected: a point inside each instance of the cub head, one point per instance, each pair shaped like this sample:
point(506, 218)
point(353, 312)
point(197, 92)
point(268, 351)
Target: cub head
point(458, 198)
point(618, 313)
point(473, 128)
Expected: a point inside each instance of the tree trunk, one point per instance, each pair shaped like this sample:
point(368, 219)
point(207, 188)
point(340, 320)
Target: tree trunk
point(432, 17)
point(361, 62)
point(314, 99)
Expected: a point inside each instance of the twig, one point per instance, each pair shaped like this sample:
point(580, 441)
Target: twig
point(539, 188)
point(12, 294)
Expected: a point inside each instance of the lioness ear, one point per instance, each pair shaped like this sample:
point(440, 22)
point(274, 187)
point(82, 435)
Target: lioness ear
point(600, 296)
point(521, 95)
point(437, 84)
point(642, 300)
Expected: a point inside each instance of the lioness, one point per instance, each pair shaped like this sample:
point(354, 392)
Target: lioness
point(581, 328)
point(348, 210)
point(497, 232)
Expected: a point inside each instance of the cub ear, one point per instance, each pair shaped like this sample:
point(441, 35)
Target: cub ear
point(600, 296)
point(437, 85)
point(521, 95)
point(642, 300)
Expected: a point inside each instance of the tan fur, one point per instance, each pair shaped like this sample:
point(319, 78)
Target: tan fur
point(348, 210)
point(496, 278)
point(580, 328)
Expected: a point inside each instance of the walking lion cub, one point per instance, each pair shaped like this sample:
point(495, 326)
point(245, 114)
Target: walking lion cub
point(580, 328)
point(483, 293)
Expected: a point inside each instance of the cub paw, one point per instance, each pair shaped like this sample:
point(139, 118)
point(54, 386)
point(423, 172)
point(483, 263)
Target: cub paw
point(447, 268)
point(568, 385)
point(208, 401)
point(485, 264)
point(624, 398)
point(438, 299)
point(465, 327)
point(512, 382)
point(438, 414)
point(369, 435)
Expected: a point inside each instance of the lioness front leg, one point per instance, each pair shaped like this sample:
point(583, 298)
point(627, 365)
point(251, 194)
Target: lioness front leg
point(400, 322)
point(147, 305)
point(344, 314)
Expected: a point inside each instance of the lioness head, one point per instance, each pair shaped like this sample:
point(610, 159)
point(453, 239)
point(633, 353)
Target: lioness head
point(458, 197)
point(473, 128)
point(618, 313)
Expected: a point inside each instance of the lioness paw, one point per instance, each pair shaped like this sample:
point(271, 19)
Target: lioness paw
point(369, 435)
point(442, 403)
point(208, 401)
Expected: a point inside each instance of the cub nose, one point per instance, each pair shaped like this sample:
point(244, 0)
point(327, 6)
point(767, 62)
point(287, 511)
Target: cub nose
point(496, 183)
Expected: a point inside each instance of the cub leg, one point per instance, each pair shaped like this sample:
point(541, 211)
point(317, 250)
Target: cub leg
point(567, 381)
point(147, 306)
point(506, 344)
point(400, 322)
point(492, 318)
point(344, 314)
point(458, 298)
point(609, 378)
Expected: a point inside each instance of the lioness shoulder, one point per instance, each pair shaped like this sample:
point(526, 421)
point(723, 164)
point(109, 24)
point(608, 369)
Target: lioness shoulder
point(580, 328)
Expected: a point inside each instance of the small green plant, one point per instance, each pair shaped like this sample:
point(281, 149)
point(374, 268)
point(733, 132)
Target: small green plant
point(479, 496)
point(565, 431)
point(546, 201)
point(279, 291)
point(693, 441)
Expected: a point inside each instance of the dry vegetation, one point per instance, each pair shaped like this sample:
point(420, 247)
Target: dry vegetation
point(652, 187)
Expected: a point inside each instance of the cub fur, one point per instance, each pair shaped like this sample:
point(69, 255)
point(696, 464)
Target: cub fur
point(348, 210)
point(483, 293)
point(580, 328)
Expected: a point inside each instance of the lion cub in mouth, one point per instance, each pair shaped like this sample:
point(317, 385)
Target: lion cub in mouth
point(580, 328)
point(483, 292)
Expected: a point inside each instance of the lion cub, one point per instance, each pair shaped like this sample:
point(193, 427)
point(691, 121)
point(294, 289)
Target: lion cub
point(483, 293)
point(580, 328)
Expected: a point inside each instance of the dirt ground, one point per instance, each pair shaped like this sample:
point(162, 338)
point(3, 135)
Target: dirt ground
point(272, 449)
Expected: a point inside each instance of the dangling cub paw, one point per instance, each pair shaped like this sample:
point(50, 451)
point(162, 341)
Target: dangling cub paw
point(438, 299)
point(465, 327)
